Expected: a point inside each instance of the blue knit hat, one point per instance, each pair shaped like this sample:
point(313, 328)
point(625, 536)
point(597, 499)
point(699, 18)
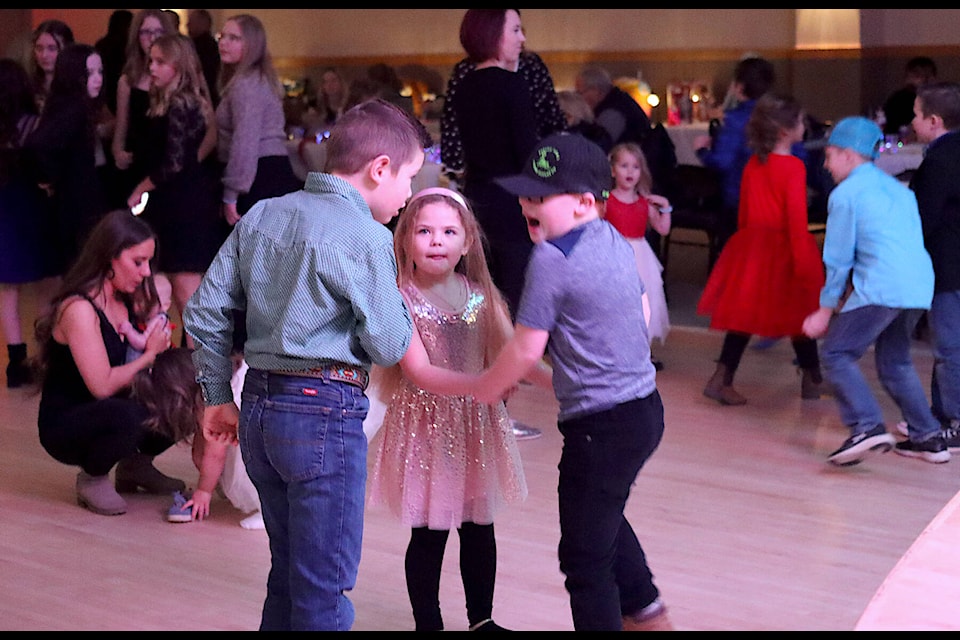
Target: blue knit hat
point(857, 133)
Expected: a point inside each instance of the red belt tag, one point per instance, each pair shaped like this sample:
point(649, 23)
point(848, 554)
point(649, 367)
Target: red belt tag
point(309, 392)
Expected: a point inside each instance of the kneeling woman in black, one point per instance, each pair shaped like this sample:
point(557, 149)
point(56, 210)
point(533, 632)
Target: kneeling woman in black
point(86, 415)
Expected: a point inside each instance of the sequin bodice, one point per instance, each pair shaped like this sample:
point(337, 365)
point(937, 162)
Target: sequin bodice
point(452, 339)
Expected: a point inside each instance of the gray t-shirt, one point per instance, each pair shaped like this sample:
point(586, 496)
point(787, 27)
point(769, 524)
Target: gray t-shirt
point(584, 289)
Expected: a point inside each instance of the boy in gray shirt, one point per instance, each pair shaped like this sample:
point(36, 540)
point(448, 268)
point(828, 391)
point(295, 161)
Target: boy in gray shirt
point(583, 301)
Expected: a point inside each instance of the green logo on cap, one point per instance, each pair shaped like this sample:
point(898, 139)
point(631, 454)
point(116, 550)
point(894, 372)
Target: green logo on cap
point(543, 164)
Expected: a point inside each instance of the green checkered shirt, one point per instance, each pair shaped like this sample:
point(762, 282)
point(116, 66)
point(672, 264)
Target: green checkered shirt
point(317, 278)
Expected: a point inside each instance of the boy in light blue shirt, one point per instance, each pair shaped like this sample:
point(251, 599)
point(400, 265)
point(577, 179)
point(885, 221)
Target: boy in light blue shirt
point(879, 281)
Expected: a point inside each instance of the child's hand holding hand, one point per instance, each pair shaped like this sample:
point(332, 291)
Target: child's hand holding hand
point(488, 392)
point(220, 422)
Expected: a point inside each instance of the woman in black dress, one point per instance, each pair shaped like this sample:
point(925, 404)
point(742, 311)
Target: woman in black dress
point(498, 130)
point(130, 147)
point(183, 202)
point(62, 149)
point(25, 251)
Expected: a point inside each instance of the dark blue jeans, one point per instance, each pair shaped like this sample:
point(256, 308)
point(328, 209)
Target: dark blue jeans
point(944, 318)
point(605, 567)
point(304, 448)
point(889, 330)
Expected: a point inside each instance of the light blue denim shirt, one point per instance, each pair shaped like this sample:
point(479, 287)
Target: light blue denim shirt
point(874, 232)
point(317, 277)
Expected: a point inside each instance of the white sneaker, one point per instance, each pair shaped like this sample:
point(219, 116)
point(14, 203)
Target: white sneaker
point(253, 521)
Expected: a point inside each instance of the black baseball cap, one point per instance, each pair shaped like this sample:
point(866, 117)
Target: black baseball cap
point(562, 163)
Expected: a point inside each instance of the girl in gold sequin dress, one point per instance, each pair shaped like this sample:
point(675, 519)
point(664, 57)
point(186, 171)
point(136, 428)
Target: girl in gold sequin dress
point(447, 462)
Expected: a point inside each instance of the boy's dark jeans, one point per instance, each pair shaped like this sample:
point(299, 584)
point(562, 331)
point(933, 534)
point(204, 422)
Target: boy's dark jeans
point(605, 567)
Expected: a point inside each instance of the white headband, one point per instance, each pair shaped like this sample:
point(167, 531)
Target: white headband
point(439, 191)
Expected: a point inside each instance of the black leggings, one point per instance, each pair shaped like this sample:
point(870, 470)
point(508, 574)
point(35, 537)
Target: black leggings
point(478, 569)
point(96, 435)
point(735, 343)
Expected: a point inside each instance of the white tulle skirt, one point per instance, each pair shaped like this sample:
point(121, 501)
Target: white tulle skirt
point(651, 272)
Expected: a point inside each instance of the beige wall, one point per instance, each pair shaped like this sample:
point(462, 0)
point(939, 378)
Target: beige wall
point(361, 32)
point(351, 32)
point(664, 44)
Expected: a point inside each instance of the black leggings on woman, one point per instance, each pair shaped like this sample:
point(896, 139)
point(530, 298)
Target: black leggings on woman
point(478, 570)
point(96, 435)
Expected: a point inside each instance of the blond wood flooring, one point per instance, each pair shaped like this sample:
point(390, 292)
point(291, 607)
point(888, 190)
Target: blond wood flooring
point(745, 525)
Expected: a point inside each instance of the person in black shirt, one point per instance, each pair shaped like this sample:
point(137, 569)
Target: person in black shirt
point(898, 107)
point(199, 28)
point(112, 48)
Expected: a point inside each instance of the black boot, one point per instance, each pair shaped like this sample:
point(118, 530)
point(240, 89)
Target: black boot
point(18, 372)
point(811, 384)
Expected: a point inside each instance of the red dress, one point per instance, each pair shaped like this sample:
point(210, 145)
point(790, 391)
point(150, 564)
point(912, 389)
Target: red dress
point(769, 275)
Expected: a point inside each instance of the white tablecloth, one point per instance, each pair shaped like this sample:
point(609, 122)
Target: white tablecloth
point(897, 160)
point(683, 136)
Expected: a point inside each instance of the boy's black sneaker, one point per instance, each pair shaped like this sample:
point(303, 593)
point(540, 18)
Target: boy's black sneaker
point(951, 435)
point(856, 447)
point(930, 450)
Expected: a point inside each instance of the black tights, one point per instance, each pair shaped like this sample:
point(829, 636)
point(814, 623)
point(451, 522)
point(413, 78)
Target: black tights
point(735, 343)
point(478, 569)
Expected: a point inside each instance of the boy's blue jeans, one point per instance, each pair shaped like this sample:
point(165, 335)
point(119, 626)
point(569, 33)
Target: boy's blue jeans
point(890, 331)
point(944, 319)
point(606, 570)
point(304, 448)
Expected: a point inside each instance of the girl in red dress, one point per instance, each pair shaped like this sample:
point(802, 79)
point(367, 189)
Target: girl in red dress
point(769, 275)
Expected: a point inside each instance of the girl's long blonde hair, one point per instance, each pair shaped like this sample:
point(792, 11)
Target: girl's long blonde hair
point(179, 52)
point(645, 182)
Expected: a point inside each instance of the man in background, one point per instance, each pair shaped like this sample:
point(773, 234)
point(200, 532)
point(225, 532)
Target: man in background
point(898, 108)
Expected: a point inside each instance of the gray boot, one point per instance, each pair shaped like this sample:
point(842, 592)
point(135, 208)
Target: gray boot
point(97, 494)
point(137, 472)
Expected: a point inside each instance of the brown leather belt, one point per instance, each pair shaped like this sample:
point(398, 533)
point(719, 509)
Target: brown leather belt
point(337, 372)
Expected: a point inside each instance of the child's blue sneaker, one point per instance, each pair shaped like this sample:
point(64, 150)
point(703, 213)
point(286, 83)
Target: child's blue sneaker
point(177, 512)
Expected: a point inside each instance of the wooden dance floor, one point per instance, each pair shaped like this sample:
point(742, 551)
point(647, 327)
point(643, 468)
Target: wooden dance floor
point(745, 525)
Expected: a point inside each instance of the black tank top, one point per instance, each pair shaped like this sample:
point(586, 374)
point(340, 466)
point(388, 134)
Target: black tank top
point(63, 386)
